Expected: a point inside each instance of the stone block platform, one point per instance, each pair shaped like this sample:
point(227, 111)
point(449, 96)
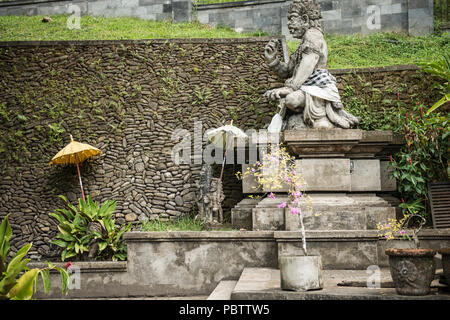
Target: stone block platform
point(174, 264)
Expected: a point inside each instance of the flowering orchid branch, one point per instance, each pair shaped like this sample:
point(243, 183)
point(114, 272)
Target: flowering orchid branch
point(277, 169)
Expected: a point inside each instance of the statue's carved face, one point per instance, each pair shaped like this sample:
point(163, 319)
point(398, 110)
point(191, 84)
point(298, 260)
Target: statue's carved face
point(298, 24)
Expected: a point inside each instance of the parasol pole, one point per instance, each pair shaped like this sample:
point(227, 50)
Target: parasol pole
point(225, 156)
point(81, 183)
point(79, 174)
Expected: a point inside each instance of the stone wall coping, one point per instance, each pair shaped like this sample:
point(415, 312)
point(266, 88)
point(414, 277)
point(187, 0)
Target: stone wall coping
point(88, 266)
point(138, 236)
point(13, 3)
point(321, 135)
point(333, 235)
point(346, 235)
point(134, 42)
point(236, 4)
point(394, 68)
point(325, 235)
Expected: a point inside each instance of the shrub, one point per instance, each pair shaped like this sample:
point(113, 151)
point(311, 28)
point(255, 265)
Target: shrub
point(89, 228)
point(13, 287)
point(423, 159)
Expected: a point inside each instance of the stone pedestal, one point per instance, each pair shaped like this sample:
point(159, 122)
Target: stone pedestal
point(241, 214)
point(326, 211)
point(343, 170)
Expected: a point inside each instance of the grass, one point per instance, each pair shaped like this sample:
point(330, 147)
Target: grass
point(182, 224)
point(185, 223)
point(345, 51)
point(15, 28)
point(381, 49)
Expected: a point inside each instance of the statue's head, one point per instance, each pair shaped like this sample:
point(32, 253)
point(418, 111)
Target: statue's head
point(302, 15)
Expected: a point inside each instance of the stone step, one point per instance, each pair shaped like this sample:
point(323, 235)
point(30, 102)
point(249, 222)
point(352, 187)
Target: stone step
point(264, 284)
point(223, 290)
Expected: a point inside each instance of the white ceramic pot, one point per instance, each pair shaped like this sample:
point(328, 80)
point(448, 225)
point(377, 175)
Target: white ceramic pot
point(301, 273)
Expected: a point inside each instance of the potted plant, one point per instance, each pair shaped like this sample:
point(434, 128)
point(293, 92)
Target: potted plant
point(277, 169)
point(412, 270)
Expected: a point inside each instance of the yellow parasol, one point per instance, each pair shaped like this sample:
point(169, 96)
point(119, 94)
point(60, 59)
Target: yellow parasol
point(75, 153)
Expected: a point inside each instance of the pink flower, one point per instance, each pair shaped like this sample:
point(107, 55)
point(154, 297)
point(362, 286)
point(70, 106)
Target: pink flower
point(295, 210)
point(282, 205)
point(402, 232)
point(294, 172)
point(272, 196)
point(297, 194)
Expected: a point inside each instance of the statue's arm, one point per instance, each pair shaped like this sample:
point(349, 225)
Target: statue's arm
point(283, 69)
point(304, 71)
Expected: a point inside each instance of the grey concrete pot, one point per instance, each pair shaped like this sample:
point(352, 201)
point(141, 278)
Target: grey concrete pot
point(412, 270)
point(301, 273)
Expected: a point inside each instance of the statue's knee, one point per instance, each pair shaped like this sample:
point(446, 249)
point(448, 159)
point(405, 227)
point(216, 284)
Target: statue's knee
point(294, 100)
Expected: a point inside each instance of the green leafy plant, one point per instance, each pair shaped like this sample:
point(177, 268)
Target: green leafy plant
point(423, 159)
point(17, 281)
point(441, 69)
point(89, 229)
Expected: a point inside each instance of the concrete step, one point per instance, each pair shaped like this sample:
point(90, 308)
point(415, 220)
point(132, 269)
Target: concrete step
point(264, 284)
point(223, 290)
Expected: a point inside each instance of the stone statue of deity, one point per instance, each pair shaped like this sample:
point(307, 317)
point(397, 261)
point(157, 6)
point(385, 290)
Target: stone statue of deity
point(209, 197)
point(309, 90)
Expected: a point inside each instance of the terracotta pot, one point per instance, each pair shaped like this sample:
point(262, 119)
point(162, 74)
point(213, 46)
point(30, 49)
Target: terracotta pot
point(445, 252)
point(412, 270)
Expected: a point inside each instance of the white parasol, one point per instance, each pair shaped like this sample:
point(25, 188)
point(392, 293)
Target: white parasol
point(223, 137)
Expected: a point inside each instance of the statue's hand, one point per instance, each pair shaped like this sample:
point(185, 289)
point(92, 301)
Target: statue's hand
point(271, 50)
point(279, 93)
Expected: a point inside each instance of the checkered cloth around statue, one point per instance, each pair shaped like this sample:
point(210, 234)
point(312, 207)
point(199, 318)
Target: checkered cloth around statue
point(320, 78)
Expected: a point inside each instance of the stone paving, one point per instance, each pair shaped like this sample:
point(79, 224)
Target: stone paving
point(264, 284)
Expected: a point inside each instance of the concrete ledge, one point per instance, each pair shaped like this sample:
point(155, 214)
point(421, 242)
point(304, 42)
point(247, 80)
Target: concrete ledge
point(400, 67)
point(134, 42)
point(88, 266)
point(137, 236)
point(246, 3)
point(325, 235)
point(11, 3)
